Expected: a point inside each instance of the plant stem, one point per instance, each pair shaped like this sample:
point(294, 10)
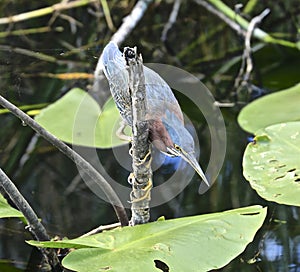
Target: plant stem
point(79, 161)
point(44, 11)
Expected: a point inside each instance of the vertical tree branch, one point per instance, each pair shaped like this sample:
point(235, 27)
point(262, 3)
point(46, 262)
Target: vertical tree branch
point(79, 161)
point(141, 178)
point(34, 224)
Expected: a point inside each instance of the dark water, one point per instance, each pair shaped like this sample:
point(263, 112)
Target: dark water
point(50, 181)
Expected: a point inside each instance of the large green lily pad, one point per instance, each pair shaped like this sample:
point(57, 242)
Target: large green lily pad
point(272, 163)
point(279, 107)
point(198, 243)
point(77, 119)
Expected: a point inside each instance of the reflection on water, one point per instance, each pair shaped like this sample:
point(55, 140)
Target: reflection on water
point(282, 255)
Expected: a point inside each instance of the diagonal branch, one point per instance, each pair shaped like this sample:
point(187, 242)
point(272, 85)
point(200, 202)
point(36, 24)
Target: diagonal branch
point(130, 21)
point(44, 11)
point(79, 161)
point(34, 224)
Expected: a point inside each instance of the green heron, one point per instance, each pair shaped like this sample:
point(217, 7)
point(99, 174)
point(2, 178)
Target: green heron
point(165, 119)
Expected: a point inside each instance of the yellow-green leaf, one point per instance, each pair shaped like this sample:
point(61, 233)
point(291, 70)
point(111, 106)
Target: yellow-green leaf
point(197, 243)
point(279, 107)
point(77, 119)
point(272, 163)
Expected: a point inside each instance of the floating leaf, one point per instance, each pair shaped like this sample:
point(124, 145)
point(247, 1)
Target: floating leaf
point(76, 118)
point(279, 107)
point(198, 243)
point(272, 163)
point(6, 210)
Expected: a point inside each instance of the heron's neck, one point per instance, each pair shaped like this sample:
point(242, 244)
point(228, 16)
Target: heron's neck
point(159, 135)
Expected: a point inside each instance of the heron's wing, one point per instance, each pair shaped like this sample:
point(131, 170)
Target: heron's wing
point(114, 68)
point(160, 97)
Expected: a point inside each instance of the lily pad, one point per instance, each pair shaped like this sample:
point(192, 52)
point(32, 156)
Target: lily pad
point(198, 243)
point(272, 163)
point(7, 211)
point(279, 107)
point(77, 119)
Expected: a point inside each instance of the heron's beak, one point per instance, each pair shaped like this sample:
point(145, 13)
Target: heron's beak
point(194, 163)
point(191, 160)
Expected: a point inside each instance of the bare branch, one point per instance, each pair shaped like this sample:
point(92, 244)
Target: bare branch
point(101, 229)
point(130, 21)
point(34, 224)
point(247, 64)
point(141, 178)
point(79, 161)
point(172, 20)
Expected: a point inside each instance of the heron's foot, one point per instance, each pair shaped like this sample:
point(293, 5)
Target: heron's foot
point(121, 133)
point(146, 159)
point(145, 193)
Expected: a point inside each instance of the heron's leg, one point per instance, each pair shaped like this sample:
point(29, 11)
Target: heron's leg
point(121, 134)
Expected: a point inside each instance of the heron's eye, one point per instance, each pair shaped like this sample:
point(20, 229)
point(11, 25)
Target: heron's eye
point(129, 53)
point(177, 147)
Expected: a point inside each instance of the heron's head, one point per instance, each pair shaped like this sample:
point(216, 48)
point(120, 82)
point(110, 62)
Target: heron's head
point(174, 140)
point(177, 150)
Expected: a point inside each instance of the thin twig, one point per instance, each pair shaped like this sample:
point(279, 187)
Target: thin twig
point(247, 51)
point(101, 229)
point(172, 20)
point(79, 161)
point(247, 65)
point(28, 31)
point(141, 178)
point(34, 224)
point(41, 56)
